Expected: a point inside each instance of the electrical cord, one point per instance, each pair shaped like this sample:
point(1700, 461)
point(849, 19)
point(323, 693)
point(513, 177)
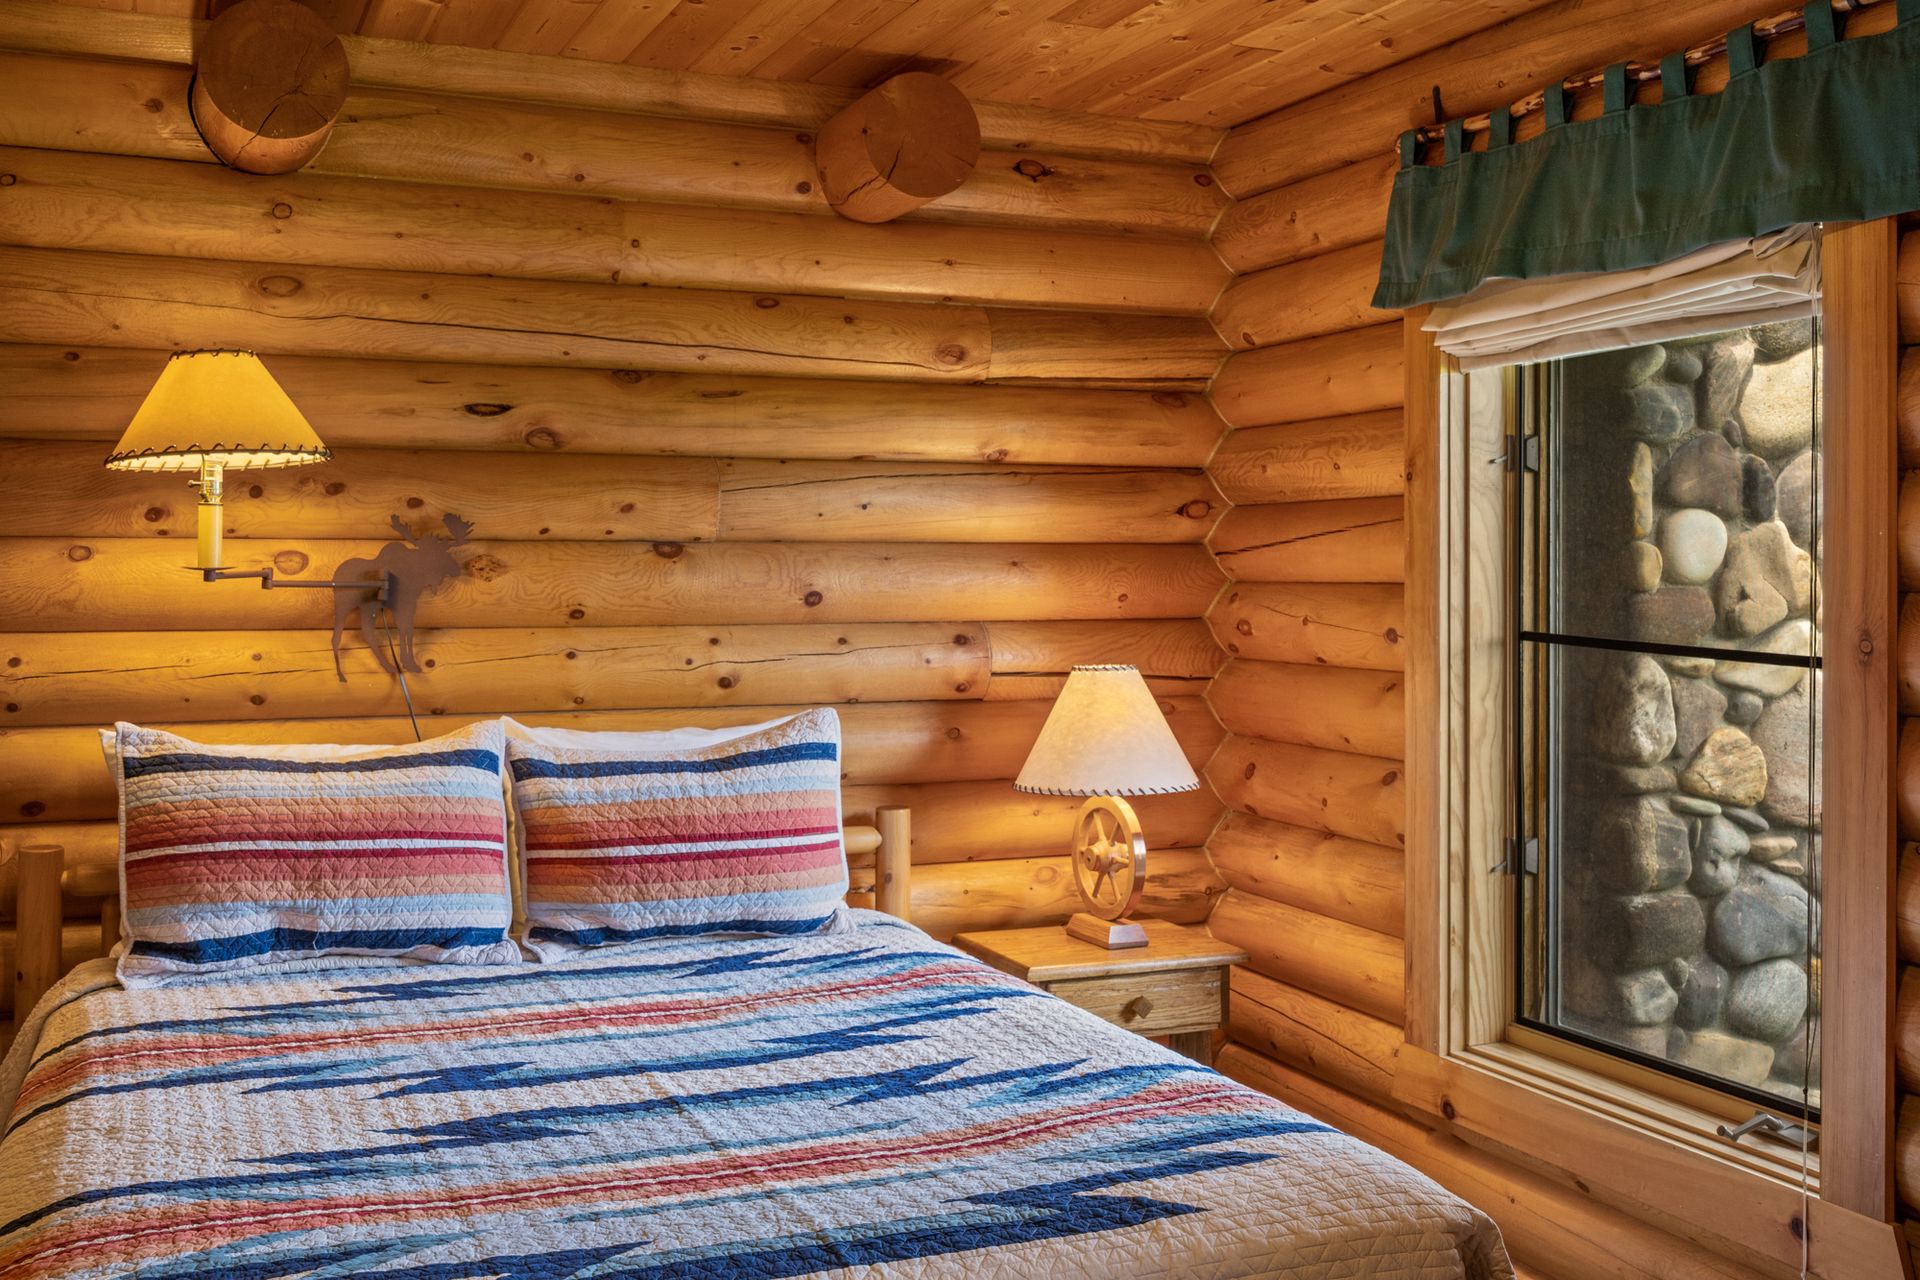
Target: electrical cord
point(386, 616)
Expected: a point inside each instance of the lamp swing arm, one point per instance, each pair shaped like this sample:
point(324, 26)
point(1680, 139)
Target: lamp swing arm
point(211, 482)
point(382, 589)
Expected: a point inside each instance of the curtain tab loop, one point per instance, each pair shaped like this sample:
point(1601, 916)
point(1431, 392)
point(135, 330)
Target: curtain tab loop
point(1614, 91)
point(1556, 105)
point(1500, 124)
point(1741, 55)
point(1456, 140)
point(1673, 75)
point(1821, 28)
point(1409, 148)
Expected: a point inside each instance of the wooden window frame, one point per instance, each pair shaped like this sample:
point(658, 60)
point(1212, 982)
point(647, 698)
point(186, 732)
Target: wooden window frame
point(1652, 1151)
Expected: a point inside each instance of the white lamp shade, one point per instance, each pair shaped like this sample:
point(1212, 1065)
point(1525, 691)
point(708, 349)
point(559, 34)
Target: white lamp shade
point(1106, 737)
point(220, 407)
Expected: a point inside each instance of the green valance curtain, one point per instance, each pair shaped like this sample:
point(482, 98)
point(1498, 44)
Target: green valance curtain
point(1832, 135)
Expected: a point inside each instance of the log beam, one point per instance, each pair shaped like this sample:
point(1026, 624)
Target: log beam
point(115, 204)
point(1331, 293)
point(1343, 207)
point(1313, 1034)
point(57, 774)
point(1338, 877)
point(55, 296)
point(74, 105)
point(1339, 624)
point(34, 27)
point(90, 393)
point(220, 675)
point(106, 584)
point(60, 490)
point(903, 144)
point(1359, 456)
point(1312, 705)
point(1346, 540)
point(1353, 967)
point(1337, 792)
point(1353, 372)
point(1490, 69)
point(270, 78)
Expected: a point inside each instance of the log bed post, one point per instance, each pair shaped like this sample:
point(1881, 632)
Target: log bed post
point(893, 862)
point(37, 921)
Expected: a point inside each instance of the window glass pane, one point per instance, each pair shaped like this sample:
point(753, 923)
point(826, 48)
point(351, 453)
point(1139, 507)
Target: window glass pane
point(1675, 793)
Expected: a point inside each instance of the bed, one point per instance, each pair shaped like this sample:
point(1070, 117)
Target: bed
point(860, 1102)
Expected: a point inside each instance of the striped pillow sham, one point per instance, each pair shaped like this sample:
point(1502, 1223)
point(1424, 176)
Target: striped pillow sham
point(638, 840)
point(236, 857)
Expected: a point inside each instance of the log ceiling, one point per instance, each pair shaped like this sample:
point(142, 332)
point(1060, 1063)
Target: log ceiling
point(1212, 62)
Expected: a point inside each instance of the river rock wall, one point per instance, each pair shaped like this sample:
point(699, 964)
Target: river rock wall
point(1684, 496)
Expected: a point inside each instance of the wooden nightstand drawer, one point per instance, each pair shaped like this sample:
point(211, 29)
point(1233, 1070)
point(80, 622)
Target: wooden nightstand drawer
point(1153, 1004)
point(1175, 986)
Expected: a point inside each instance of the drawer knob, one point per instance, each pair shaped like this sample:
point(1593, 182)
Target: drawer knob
point(1135, 1009)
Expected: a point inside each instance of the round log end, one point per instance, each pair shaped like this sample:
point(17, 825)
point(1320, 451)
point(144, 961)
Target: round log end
point(910, 141)
point(270, 78)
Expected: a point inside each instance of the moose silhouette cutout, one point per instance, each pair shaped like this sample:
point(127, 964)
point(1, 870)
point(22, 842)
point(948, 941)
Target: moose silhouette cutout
point(405, 570)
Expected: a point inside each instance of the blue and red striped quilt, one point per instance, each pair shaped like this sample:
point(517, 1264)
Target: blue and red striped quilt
point(866, 1103)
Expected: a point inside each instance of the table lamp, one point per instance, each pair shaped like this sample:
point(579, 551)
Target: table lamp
point(211, 410)
point(1104, 739)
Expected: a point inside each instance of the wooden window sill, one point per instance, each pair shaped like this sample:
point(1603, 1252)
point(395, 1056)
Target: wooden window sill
point(1657, 1159)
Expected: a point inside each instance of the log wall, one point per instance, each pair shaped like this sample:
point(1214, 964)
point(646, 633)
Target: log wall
point(724, 452)
point(1312, 848)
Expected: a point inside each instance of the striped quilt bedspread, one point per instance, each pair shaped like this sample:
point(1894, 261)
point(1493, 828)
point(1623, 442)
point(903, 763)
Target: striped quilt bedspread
point(861, 1103)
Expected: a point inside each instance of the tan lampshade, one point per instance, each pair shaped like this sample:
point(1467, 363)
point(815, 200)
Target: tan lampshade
point(1106, 737)
point(216, 406)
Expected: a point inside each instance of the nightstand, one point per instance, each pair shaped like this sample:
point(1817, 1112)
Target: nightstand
point(1175, 986)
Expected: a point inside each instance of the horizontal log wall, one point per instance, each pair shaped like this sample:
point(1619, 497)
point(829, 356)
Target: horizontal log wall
point(725, 454)
point(1313, 623)
point(1312, 847)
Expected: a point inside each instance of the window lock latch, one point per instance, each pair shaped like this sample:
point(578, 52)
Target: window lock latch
point(1523, 453)
point(1521, 856)
point(1768, 1123)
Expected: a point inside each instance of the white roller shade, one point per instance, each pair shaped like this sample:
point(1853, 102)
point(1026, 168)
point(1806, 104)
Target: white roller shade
point(1723, 286)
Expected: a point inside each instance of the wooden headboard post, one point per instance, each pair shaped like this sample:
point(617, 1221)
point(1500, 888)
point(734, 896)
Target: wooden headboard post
point(37, 919)
point(893, 862)
point(890, 841)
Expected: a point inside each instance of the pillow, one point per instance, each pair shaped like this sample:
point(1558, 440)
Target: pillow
point(110, 751)
point(641, 835)
point(238, 857)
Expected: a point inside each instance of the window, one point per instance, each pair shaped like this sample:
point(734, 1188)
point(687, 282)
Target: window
point(1664, 551)
point(1516, 608)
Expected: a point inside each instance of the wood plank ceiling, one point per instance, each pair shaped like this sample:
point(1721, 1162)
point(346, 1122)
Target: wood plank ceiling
point(1213, 62)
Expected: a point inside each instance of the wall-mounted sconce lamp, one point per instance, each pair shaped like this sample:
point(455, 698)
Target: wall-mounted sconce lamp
point(214, 411)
